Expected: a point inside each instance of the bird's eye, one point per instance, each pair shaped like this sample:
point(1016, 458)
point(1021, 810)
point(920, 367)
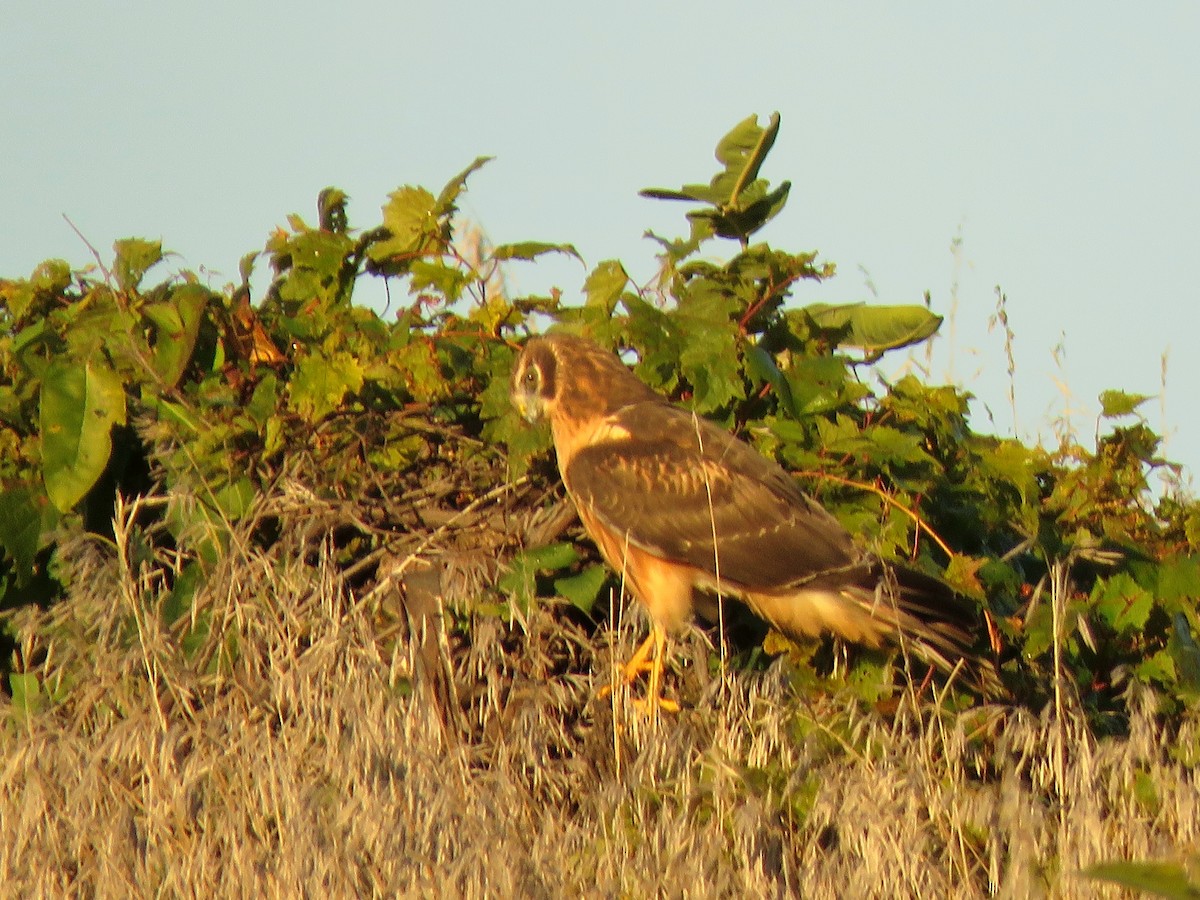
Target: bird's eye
point(531, 377)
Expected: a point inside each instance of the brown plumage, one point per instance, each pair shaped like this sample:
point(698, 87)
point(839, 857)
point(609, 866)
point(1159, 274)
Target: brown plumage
point(675, 503)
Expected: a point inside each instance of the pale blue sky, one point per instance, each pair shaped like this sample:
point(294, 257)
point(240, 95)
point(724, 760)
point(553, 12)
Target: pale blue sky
point(1061, 141)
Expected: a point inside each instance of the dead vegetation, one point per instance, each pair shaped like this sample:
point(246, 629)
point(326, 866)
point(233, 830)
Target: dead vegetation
point(345, 747)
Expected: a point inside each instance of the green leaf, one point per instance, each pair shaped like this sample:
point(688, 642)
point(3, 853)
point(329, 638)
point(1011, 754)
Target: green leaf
point(1011, 462)
point(744, 149)
point(528, 250)
point(697, 193)
point(711, 368)
point(235, 498)
point(706, 329)
point(740, 222)
point(417, 362)
point(892, 447)
point(1185, 653)
point(1158, 668)
point(25, 515)
point(761, 367)
point(520, 581)
point(320, 252)
point(447, 199)
point(1146, 792)
point(1114, 404)
point(183, 593)
point(194, 639)
point(264, 401)
point(818, 384)
point(1122, 603)
point(179, 417)
point(79, 406)
point(28, 698)
point(447, 280)
point(875, 329)
point(605, 284)
point(177, 325)
point(1179, 578)
point(1039, 631)
point(1191, 528)
point(17, 297)
point(246, 266)
point(52, 276)
point(741, 152)
point(331, 210)
point(551, 557)
point(1161, 879)
point(321, 382)
point(582, 590)
point(410, 217)
point(134, 257)
point(741, 203)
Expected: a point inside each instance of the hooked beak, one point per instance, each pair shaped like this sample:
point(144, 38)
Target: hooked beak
point(528, 411)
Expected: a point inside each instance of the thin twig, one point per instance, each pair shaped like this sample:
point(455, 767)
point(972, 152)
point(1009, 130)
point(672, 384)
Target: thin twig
point(438, 532)
point(95, 253)
point(888, 498)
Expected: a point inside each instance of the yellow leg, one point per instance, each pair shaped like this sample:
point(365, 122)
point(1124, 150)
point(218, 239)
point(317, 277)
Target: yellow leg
point(654, 698)
point(638, 662)
point(649, 657)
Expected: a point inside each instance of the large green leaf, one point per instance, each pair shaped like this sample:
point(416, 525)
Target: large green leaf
point(410, 216)
point(79, 406)
point(875, 329)
point(705, 323)
point(742, 152)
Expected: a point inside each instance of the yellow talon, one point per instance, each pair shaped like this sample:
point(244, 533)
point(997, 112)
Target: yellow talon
point(647, 658)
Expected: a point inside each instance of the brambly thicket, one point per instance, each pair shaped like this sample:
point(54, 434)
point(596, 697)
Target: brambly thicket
point(292, 600)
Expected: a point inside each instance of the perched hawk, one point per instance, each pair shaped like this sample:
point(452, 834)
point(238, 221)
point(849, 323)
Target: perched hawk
point(675, 503)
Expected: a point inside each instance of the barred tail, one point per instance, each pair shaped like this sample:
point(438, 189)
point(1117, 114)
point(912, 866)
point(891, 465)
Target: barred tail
point(880, 605)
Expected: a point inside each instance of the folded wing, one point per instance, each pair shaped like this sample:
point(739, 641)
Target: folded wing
point(680, 487)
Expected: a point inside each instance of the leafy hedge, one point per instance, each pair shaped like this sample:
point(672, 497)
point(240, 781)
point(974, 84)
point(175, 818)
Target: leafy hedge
point(114, 383)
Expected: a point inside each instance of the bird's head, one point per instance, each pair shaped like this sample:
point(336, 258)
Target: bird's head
point(561, 376)
point(533, 380)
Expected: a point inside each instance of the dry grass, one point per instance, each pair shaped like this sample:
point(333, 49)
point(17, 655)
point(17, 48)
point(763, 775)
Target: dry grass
point(308, 767)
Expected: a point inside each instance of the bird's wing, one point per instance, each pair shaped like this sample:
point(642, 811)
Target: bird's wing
point(669, 482)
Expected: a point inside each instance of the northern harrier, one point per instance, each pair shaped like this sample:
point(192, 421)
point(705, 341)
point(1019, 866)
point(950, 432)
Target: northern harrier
point(675, 503)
